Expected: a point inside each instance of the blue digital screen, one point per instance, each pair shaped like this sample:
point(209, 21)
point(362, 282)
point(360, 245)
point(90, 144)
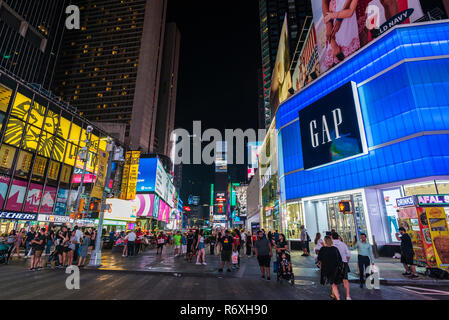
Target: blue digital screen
point(147, 175)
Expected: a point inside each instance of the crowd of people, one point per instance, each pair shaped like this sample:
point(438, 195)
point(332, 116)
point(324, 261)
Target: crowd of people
point(63, 247)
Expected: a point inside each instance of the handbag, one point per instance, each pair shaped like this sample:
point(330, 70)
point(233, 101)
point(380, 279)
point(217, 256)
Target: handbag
point(235, 258)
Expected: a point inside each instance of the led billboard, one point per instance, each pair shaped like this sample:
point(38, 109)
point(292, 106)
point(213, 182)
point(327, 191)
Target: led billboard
point(146, 178)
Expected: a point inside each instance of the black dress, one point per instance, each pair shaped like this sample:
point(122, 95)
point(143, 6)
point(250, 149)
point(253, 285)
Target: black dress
point(331, 265)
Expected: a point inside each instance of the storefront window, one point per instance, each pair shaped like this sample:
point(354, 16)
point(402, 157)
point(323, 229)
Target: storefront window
point(23, 164)
point(294, 220)
point(39, 169)
point(7, 154)
point(53, 171)
point(66, 173)
point(390, 206)
point(420, 188)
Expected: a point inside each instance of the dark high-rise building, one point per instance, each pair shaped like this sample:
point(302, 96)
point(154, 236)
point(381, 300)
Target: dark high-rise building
point(110, 69)
point(30, 35)
point(272, 14)
point(165, 120)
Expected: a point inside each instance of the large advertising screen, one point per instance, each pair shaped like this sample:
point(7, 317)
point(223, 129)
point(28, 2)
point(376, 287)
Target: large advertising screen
point(332, 128)
point(281, 79)
point(343, 26)
point(120, 210)
point(146, 179)
point(143, 205)
point(307, 68)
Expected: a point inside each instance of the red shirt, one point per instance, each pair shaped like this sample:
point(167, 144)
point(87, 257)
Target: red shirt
point(236, 240)
point(138, 234)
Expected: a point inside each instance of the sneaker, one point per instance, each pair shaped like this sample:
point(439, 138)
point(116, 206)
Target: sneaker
point(220, 270)
point(414, 276)
point(31, 269)
point(263, 276)
point(229, 270)
point(268, 279)
point(204, 264)
point(407, 274)
point(348, 298)
point(197, 263)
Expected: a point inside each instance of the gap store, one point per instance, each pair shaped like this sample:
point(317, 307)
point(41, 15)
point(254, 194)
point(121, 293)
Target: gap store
point(373, 129)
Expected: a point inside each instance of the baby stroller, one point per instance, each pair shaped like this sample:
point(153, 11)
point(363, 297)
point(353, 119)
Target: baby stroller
point(284, 275)
point(3, 252)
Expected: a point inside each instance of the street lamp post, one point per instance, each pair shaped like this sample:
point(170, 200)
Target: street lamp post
point(89, 130)
point(95, 258)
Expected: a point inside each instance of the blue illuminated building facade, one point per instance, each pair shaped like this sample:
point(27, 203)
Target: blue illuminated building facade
point(402, 82)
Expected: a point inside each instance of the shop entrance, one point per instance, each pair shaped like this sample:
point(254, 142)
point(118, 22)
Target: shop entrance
point(324, 215)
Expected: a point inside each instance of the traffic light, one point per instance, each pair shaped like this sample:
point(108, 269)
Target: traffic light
point(344, 206)
point(94, 206)
point(81, 206)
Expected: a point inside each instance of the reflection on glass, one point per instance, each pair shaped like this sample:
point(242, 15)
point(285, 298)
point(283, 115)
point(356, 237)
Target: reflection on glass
point(39, 168)
point(23, 164)
point(5, 97)
point(7, 154)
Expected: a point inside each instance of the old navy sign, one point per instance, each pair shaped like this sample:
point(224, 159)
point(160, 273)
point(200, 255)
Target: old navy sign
point(332, 128)
point(18, 216)
point(398, 19)
point(406, 202)
point(433, 200)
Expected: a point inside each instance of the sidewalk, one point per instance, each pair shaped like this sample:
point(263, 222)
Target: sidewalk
point(303, 267)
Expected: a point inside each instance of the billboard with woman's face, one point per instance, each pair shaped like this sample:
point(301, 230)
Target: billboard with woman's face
point(344, 26)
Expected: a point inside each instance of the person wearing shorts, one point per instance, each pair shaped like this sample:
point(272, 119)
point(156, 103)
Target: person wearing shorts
point(37, 246)
point(177, 242)
point(227, 246)
point(263, 250)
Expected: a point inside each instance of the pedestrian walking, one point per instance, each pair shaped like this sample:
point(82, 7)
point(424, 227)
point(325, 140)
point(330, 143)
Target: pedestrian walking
point(50, 239)
point(226, 247)
point(249, 244)
point(177, 242)
point(37, 247)
point(407, 253)
point(184, 245)
point(305, 239)
point(345, 256)
point(125, 245)
point(201, 249)
point(138, 242)
point(331, 265)
point(77, 235)
point(319, 243)
point(242, 241)
point(84, 249)
point(264, 253)
point(11, 243)
point(19, 241)
point(131, 237)
point(212, 243)
point(160, 242)
point(364, 257)
point(29, 237)
point(276, 236)
point(237, 242)
point(189, 246)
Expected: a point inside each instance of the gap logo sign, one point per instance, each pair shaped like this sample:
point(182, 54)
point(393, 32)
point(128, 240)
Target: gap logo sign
point(332, 128)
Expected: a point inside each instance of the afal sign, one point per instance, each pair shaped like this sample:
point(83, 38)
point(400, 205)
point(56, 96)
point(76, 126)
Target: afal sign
point(332, 128)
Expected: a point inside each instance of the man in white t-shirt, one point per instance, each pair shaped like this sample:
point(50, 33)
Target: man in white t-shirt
point(345, 256)
point(78, 236)
point(131, 237)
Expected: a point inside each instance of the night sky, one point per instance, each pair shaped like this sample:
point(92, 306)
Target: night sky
point(220, 56)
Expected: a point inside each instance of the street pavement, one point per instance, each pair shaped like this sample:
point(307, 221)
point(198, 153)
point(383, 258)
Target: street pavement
point(151, 277)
